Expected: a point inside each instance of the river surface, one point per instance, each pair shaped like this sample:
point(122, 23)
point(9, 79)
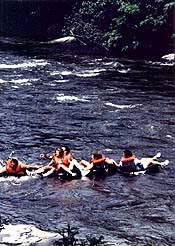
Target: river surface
point(105, 104)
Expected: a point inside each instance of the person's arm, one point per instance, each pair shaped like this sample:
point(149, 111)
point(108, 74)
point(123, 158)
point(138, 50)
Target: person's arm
point(3, 169)
point(137, 161)
point(103, 159)
point(112, 162)
point(67, 169)
point(120, 163)
point(50, 163)
point(86, 165)
point(25, 166)
point(49, 172)
point(74, 162)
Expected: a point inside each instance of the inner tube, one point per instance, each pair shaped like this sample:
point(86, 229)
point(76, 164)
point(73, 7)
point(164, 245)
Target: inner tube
point(101, 170)
point(152, 169)
point(63, 175)
point(6, 175)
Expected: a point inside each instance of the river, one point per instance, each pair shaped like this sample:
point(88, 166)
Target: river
point(88, 103)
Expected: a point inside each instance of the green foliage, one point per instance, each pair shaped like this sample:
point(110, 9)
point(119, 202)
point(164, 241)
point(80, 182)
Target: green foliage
point(129, 8)
point(169, 6)
point(121, 25)
point(68, 238)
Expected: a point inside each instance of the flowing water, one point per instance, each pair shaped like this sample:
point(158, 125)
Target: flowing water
point(105, 104)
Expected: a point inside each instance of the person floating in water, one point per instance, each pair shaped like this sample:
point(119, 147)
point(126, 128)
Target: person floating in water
point(15, 167)
point(130, 163)
point(99, 163)
point(70, 162)
point(55, 165)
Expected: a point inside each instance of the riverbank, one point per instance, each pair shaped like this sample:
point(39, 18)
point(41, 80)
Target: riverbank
point(69, 45)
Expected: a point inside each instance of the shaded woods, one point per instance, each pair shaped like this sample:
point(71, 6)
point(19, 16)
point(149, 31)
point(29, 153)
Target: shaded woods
point(119, 27)
point(124, 27)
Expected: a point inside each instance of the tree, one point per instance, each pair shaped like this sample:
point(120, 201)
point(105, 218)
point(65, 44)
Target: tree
point(122, 26)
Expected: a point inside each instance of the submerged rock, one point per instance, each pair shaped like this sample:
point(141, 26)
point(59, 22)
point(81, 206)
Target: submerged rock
point(169, 57)
point(63, 40)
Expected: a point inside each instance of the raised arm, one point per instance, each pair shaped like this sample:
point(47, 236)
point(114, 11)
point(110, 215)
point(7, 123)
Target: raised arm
point(112, 162)
point(86, 165)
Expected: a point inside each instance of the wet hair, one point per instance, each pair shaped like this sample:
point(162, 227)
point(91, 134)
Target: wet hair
point(66, 149)
point(62, 150)
point(61, 153)
point(127, 153)
point(97, 155)
point(57, 149)
point(15, 161)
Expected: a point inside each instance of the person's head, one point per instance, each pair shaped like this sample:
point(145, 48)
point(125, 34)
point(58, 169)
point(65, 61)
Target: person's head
point(65, 152)
point(66, 149)
point(127, 153)
point(97, 155)
point(58, 152)
point(14, 163)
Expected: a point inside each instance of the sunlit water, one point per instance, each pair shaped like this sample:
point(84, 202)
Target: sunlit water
point(48, 100)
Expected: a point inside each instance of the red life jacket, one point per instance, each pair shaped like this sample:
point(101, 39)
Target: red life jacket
point(19, 170)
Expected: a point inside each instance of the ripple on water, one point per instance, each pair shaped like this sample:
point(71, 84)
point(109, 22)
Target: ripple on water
point(89, 104)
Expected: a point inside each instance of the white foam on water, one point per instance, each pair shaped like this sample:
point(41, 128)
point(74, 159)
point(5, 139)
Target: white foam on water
point(2, 81)
point(123, 106)
point(8, 179)
point(55, 73)
point(83, 73)
point(35, 63)
point(108, 150)
point(65, 73)
point(25, 235)
point(17, 181)
point(124, 70)
point(168, 64)
point(18, 81)
point(163, 63)
point(90, 73)
point(62, 81)
point(23, 81)
point(62, 97)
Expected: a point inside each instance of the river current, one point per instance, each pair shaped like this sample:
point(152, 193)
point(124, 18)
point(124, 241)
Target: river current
point(88, 103)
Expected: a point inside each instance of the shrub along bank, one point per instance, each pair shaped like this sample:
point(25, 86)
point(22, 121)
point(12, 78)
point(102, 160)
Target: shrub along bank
point(123, 27)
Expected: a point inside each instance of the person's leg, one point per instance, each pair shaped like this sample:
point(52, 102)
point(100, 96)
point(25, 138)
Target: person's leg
point(158, 155)
point(152, 161)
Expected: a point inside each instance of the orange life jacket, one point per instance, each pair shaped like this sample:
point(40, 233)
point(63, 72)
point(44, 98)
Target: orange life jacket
point(19, 170)
point(128, 159)
point(97, 161)
point(65, 162)
point(128, 164)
